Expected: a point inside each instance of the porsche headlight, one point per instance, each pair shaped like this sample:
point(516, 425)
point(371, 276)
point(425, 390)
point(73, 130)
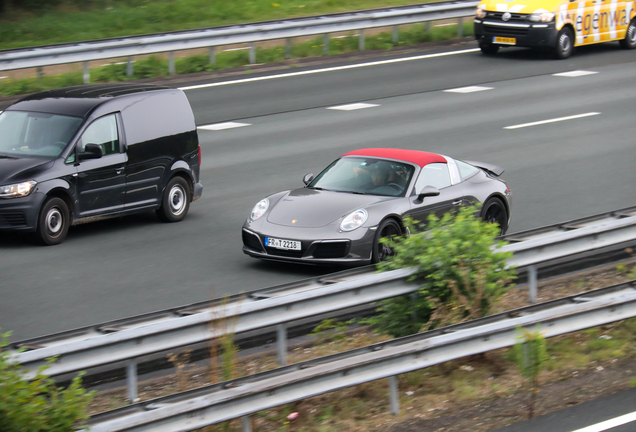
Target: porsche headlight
point(17, 190)
point(542, 17)
point(259, 209)
point(480, 12)
point(354, 220)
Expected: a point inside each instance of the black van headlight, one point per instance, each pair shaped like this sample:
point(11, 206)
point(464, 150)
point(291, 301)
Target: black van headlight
point(17, 190)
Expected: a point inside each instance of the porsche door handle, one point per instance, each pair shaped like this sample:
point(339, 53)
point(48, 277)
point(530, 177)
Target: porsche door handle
point(457, 203)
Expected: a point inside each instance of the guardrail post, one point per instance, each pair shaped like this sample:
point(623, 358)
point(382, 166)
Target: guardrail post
point(288, 47)
point(532, 283)
point(460, 27)
point(246, 422)
point(361, 40)
point(131, 379)
point(129, 66)
point(212, 55)
point(393, 395)
point(39, 72)
point(281, 343)
point(395, 34)
point(171, 67)
point(86, 74)
point(428, 26)
point(252, 54)
point(325, 44)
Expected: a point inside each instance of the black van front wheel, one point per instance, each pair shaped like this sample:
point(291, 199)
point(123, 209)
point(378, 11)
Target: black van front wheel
point(176, 200)
point(53, 222)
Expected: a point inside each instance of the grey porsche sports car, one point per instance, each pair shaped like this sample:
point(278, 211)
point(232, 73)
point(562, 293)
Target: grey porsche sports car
point(342, 213)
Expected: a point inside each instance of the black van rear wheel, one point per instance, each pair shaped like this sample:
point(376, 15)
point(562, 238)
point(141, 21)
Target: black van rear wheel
point(176, 200)
point(53, 222)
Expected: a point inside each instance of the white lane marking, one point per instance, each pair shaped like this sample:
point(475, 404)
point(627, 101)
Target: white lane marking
point(470, 89)
point(353, 106)
point(609, 424)
point(553, 120)
point(222, 126)
point(331, 69)
point(576, 73)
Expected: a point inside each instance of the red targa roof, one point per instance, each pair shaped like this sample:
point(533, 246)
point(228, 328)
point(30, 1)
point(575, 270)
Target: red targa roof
point(414, 156)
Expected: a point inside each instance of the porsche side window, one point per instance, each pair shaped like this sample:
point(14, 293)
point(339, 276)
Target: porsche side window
point(466, 170)
point(435, 174)
point(103, 132)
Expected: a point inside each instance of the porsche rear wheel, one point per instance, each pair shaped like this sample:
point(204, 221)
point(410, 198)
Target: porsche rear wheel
point(494, 211)
point(388, 229)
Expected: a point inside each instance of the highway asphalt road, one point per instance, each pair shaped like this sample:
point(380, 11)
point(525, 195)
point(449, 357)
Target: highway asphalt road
point(614, 413)
point(558, 171)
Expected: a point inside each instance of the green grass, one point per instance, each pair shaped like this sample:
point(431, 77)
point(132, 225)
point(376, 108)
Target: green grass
point(81, 20)
point(157, 66)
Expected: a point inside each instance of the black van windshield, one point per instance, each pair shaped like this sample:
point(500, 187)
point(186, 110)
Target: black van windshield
point(26, 134)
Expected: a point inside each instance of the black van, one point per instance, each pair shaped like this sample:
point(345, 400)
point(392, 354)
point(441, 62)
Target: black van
point(84, 153)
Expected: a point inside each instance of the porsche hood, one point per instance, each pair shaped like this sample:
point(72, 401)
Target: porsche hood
point(313, 208)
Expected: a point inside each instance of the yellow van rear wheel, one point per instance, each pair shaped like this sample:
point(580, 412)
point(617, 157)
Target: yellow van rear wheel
point(630, 36)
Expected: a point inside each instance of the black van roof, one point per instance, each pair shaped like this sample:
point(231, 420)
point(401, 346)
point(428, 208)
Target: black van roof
point(79, 100)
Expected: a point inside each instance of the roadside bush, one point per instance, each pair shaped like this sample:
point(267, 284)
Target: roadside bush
point(462, 277)
point(38, 405)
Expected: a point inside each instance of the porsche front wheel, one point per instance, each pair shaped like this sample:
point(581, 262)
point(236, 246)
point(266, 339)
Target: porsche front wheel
point(388, 229)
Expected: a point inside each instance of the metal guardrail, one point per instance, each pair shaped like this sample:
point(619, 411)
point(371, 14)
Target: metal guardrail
point(127, 340)
point(84, 52)
point(245, 396)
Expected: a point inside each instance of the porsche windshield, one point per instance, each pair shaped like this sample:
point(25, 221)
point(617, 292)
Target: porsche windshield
point(27, 134)
point(365, 176)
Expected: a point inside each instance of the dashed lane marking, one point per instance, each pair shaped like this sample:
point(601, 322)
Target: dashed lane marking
point(470, 89)
point(353, 106)
point(223, 126)
point(554, 120)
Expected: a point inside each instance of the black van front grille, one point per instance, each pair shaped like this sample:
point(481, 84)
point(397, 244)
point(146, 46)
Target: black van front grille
point(12, 219)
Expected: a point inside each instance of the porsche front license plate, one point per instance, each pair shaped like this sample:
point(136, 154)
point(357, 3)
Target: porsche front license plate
point(282, 243)
point(504, 40)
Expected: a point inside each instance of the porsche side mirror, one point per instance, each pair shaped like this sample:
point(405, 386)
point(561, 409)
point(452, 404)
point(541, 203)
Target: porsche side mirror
point(308, 178)
point(91, 151)
point(427, 191)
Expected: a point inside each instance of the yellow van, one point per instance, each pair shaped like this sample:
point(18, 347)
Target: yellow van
point(558, 25)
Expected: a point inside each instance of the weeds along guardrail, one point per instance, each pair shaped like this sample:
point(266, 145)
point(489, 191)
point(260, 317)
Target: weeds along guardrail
point(278, 307)
point(245, 396)
point(83, 52)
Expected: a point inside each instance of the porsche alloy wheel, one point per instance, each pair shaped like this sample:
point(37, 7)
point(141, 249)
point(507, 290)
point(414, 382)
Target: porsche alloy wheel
point(495, 212)
point(388, 229)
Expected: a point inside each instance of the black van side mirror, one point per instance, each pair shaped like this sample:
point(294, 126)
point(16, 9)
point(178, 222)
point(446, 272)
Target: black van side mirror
point(308, 178)
point(91, 151)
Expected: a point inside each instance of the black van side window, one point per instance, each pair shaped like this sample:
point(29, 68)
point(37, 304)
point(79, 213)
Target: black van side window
point(103, 132)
